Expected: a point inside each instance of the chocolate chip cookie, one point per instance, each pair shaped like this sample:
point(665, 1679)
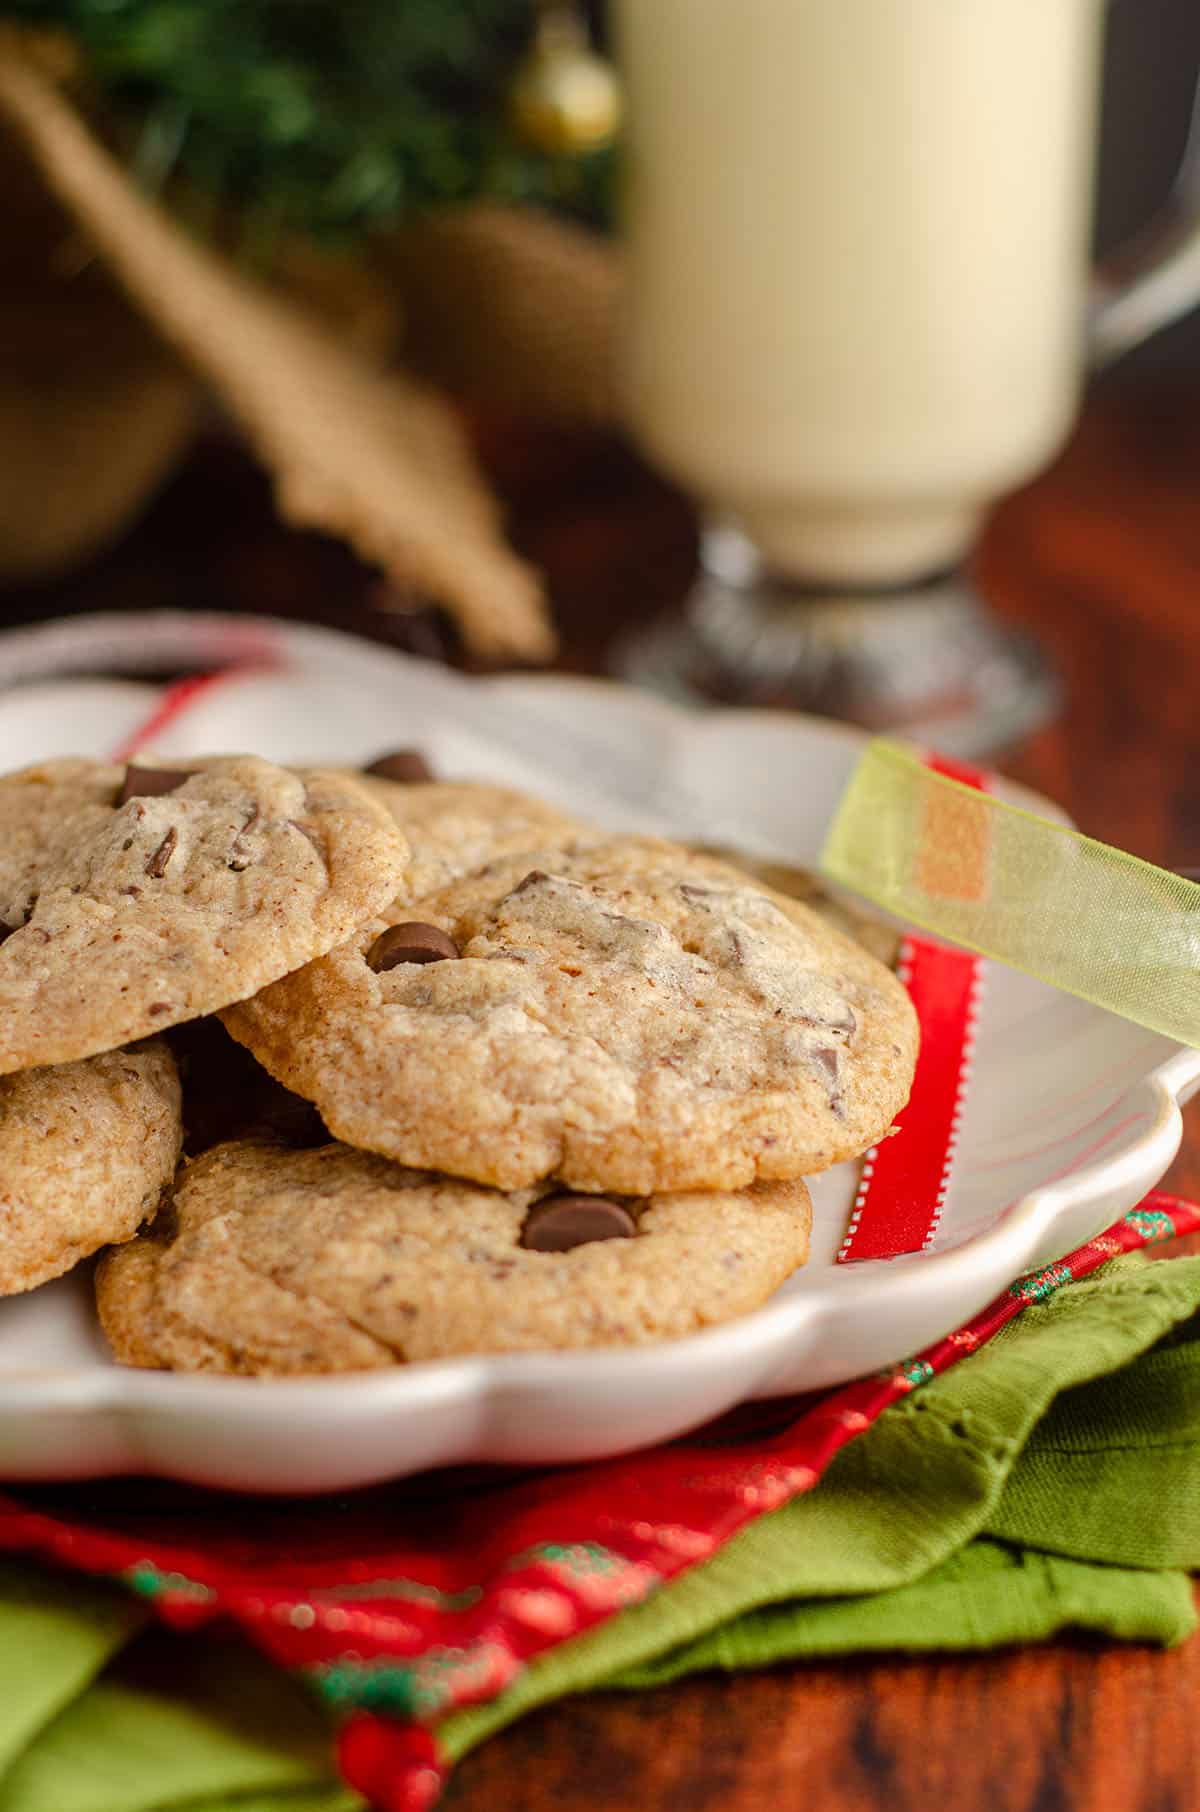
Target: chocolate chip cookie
point(618, 1013)
point(276, 1260)
point(86, 1151)
point(131, 900)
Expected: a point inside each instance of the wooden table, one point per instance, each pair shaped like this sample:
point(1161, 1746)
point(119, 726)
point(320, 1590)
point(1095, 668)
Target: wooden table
point(1102, 557)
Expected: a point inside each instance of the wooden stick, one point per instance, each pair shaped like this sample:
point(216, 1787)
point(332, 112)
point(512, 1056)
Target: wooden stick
point(374, 458)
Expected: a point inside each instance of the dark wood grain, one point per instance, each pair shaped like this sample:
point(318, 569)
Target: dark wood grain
point(1057, 1729)
point(1102, 557)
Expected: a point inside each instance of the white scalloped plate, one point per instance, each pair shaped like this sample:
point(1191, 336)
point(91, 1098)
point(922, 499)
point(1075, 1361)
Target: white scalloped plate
point(1071, 1116)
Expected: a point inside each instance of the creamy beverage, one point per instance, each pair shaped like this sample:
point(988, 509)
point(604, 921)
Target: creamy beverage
point(858, 240)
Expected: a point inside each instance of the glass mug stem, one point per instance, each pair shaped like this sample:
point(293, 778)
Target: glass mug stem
point(923, 658)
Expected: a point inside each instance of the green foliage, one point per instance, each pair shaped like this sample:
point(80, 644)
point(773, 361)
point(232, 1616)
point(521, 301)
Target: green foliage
point(327, 116)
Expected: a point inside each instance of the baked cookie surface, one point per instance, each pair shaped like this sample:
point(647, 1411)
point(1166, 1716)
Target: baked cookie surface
point(122, 919)
point(454, 827)
point(622, 1014)
point(273, 1260)
point(86, 1152)
point(866, 928)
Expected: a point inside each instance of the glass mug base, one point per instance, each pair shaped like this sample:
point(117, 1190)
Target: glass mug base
point(926, 661)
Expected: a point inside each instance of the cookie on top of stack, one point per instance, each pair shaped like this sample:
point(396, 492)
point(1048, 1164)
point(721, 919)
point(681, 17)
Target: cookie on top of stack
point(501, 1080)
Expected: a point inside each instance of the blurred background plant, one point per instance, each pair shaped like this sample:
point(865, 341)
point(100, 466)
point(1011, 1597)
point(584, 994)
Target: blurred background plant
point(329, 119)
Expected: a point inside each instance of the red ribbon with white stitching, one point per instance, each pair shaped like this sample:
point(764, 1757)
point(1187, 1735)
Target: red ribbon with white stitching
point(902, 1189)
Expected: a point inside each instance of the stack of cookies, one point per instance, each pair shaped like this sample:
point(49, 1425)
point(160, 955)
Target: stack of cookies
point(348, 1070)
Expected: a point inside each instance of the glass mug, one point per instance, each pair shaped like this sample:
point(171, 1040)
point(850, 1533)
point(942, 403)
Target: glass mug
point(858, 312)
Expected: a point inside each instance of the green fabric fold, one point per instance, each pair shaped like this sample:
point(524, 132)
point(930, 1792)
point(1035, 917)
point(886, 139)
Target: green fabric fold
point(1051, 1481)
point(201, 1725)
point(54, 1640)
point(985, 1596)
point(1113, 1473)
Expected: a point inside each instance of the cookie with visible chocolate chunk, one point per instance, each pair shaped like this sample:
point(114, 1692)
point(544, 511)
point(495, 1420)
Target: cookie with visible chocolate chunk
point(86, 1151)
point(132, 900)
point(276, 1260)
point(454, 827)
point(865, 927)
point(622, 1014)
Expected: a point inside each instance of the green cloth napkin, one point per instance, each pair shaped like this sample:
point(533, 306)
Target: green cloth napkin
point(101, 1713)
point(1049, 1481)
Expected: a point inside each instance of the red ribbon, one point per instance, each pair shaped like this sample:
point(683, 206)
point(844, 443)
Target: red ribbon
point(904, 1179)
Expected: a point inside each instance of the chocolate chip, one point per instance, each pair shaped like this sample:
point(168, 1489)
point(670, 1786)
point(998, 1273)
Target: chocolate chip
point(239, 858)
point(406, 766)
point(148, 783)
point(156, 865)
point(562, 1222)
point(847, 1023)
point(410, 943)
point(826, 1060)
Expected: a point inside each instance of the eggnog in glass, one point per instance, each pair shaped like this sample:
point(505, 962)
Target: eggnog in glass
point(858, 287)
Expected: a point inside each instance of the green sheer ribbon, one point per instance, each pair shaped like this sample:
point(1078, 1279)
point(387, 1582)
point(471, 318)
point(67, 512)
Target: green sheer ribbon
point(1089, 919)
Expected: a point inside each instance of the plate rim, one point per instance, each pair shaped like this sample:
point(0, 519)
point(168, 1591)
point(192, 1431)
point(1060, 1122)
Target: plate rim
point(1002, 1249)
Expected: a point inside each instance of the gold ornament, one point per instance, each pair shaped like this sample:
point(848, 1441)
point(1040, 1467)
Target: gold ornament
point(565, 99)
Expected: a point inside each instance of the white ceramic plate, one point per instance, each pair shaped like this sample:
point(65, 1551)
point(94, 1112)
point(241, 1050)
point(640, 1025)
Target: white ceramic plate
point(1072, 1114)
